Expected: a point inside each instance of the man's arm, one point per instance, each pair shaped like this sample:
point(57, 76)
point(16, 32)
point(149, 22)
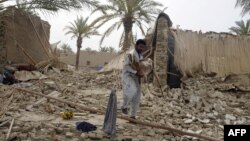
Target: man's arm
point(128, 64)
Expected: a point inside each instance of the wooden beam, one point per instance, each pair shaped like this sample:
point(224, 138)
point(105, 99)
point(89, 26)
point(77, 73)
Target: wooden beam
point(37, 34)
point(9, 131)
point(25, 53)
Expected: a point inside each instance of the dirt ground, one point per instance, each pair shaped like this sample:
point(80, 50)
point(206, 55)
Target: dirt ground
point(203, 105)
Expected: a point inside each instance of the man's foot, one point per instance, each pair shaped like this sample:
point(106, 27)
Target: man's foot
point(125, 111)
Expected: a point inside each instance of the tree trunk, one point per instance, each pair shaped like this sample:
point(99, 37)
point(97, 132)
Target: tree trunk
point(127, 29)
point(79, 45)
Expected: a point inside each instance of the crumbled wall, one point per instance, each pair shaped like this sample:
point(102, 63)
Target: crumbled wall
point(160, 53)
point(20, 42)
point(222, 54)
point(2, 46)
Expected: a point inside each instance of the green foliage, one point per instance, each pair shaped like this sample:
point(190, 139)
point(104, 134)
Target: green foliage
point(54, 5)
point(107, 49)
point(241, 28)
point(80, 28)
point(88, 49)
point(127, 13)
point(245, 5)
point(65, 48)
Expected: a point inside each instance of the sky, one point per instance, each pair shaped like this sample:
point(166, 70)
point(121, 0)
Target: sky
point(196, 15)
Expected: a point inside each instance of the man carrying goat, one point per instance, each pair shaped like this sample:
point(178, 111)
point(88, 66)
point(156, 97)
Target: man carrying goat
point(132, 73)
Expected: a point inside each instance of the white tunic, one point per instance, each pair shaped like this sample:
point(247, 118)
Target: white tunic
point(131, 86)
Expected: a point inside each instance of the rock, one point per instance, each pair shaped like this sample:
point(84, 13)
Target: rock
point(217, 94)
point(127, 138)
point(69, 134)
point(34, 137)
point(204, 121)
point(194, 99)
point(83, 136)
point(188, 121)
point(95, 136)
point(167, 137)
point(238, 110)
point(151, 133)
point(230, 117)
point(23, 136)
point(161, 131)
point(16, 129)
point(74, 139)
point(136, 130)
point(247, 105)
point(91, 135)
point(98, 137)
point(162, 121)
point(227, 122)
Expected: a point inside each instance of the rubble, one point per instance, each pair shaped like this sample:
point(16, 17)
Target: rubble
point(198, 107)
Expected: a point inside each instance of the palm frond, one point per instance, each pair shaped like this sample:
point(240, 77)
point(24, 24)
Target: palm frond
point(241, 28)
point(103, 19)
point(129, 12)
point(245, 5)
point(139, 24)
point(121, 40)
point(55, 5)
point(80, 28)
point(109, 31)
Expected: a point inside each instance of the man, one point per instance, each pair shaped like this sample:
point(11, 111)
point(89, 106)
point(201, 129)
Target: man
point(131, 78)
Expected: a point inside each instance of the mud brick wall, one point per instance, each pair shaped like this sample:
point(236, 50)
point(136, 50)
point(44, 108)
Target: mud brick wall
point(219, 53)
point(160, 54)
point(23, 38)
point(2, 46)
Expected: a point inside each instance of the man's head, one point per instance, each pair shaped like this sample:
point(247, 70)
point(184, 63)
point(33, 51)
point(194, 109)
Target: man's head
point(140, 46)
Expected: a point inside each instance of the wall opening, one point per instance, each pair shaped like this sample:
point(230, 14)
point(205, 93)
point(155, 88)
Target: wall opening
point(173, 75)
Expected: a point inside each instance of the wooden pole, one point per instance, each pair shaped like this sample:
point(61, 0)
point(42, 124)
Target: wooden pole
point(9, 131)
point(25, 53)
point(158, 81)
point(33, 25)
point(154, 125)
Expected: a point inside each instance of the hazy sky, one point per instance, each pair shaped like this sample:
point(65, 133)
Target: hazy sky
point(204, 15)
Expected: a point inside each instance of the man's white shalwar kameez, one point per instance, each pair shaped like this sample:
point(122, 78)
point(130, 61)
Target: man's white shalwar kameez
point(131, 86)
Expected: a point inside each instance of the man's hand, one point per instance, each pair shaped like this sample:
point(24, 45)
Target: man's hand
point(139, 73)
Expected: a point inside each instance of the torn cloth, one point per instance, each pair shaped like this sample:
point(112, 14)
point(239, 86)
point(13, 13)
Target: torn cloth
point(85, 126)
point(109, 125)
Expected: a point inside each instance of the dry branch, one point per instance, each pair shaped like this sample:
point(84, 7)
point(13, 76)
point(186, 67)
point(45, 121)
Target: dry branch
point(9, 131)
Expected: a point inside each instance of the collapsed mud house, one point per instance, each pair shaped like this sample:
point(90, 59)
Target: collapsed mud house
point(24, 38)
point(178, 53)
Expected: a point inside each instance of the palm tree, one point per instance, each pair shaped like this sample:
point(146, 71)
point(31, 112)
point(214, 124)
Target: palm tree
point(245, 4)
point(127, 13)
point(66, 48)
point(241, 28)
point(1, 4)
point(54, 5)
point(88, 49)
point(80, 29)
